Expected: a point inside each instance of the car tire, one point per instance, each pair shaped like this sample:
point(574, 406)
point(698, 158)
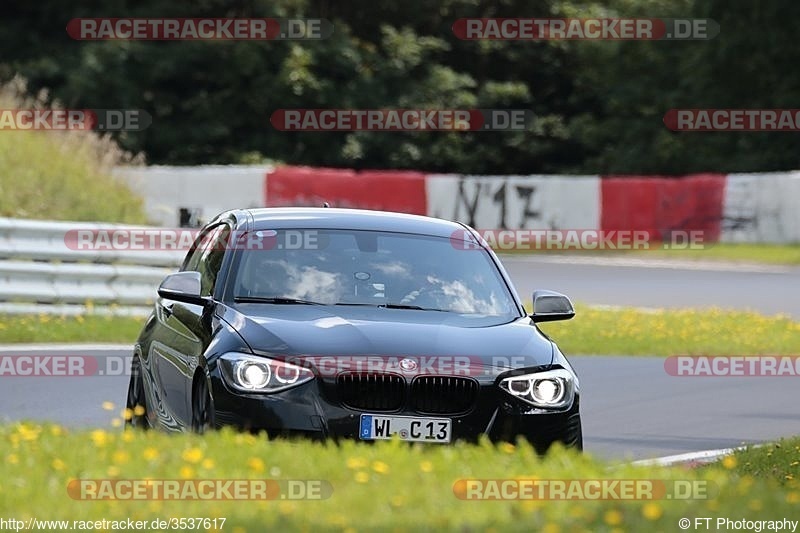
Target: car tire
point(202, 406)
point(572, 436)
point(136, 401)
point(578, 444)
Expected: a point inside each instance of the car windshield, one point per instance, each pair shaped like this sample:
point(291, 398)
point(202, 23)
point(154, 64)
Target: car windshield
point(382, 269)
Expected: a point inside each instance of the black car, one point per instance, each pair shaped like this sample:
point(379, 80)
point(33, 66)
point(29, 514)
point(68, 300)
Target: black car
point(344, 323)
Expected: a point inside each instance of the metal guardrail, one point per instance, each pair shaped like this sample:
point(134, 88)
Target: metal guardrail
point(41, 273)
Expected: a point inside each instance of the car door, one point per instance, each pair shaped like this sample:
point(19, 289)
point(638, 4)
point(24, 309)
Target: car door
point(192, 324)
point(176, 337)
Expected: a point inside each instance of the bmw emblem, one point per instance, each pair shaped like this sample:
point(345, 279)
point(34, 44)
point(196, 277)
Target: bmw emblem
point(408, 365)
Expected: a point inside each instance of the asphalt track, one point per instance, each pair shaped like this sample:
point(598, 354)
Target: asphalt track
point(631, 407)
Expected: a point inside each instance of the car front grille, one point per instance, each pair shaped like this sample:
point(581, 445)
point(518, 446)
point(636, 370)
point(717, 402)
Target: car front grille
point(371, 391)
point(443, 394)
point(388, 392)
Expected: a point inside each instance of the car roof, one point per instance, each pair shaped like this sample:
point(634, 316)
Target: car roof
point(340, 218)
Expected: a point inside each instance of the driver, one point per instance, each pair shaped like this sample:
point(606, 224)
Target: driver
point(263, 275)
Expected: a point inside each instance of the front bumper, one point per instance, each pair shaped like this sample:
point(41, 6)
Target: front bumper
point(309, 410)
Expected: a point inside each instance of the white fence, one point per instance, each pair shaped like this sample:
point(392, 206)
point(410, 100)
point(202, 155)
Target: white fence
point(41, 273)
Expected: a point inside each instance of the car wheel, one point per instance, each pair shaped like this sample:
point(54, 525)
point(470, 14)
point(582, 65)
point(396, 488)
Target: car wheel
point(202, 407)
point(571, 436)
point(578, 444)
point(136, 402)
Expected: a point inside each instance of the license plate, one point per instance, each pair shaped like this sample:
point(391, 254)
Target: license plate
point(408, 428)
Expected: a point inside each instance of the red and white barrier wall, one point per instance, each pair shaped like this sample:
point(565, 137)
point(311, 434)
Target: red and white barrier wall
point(762, 208)
point(386, 190)
point(733, 208)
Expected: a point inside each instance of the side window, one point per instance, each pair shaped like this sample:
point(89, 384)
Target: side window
point(199, 244)
point(210, 259)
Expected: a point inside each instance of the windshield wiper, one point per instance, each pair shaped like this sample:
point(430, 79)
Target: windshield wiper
point(362, 304)
point(412, 307)
point(391, 306)
point(273, 300)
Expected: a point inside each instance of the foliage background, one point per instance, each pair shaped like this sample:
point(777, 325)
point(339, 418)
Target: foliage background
point(599, 105)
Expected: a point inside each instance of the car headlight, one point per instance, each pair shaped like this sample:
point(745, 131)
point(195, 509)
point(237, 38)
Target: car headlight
point(554, 389)
point(251, 373)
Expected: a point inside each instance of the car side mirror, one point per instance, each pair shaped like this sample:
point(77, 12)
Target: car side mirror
point(183, 287)
point(549, 306)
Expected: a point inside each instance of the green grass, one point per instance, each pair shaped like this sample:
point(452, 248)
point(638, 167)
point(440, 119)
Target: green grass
point(778, 461)
point(780, 254)
point(61, 175)
point(593, 331)
point(776, 254)
point(662, 332)
point(387, 486)
point(81, 328)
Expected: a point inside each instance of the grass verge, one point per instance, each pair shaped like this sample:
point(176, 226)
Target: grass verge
point(778, 254)
point(664, 332)
point(593, 331)
point(80, 328)
point(387, 486)
point(61, 175)
point(778, 461)
point(774, 254)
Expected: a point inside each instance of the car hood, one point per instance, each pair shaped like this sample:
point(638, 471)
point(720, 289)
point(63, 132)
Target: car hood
point(308, 330)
